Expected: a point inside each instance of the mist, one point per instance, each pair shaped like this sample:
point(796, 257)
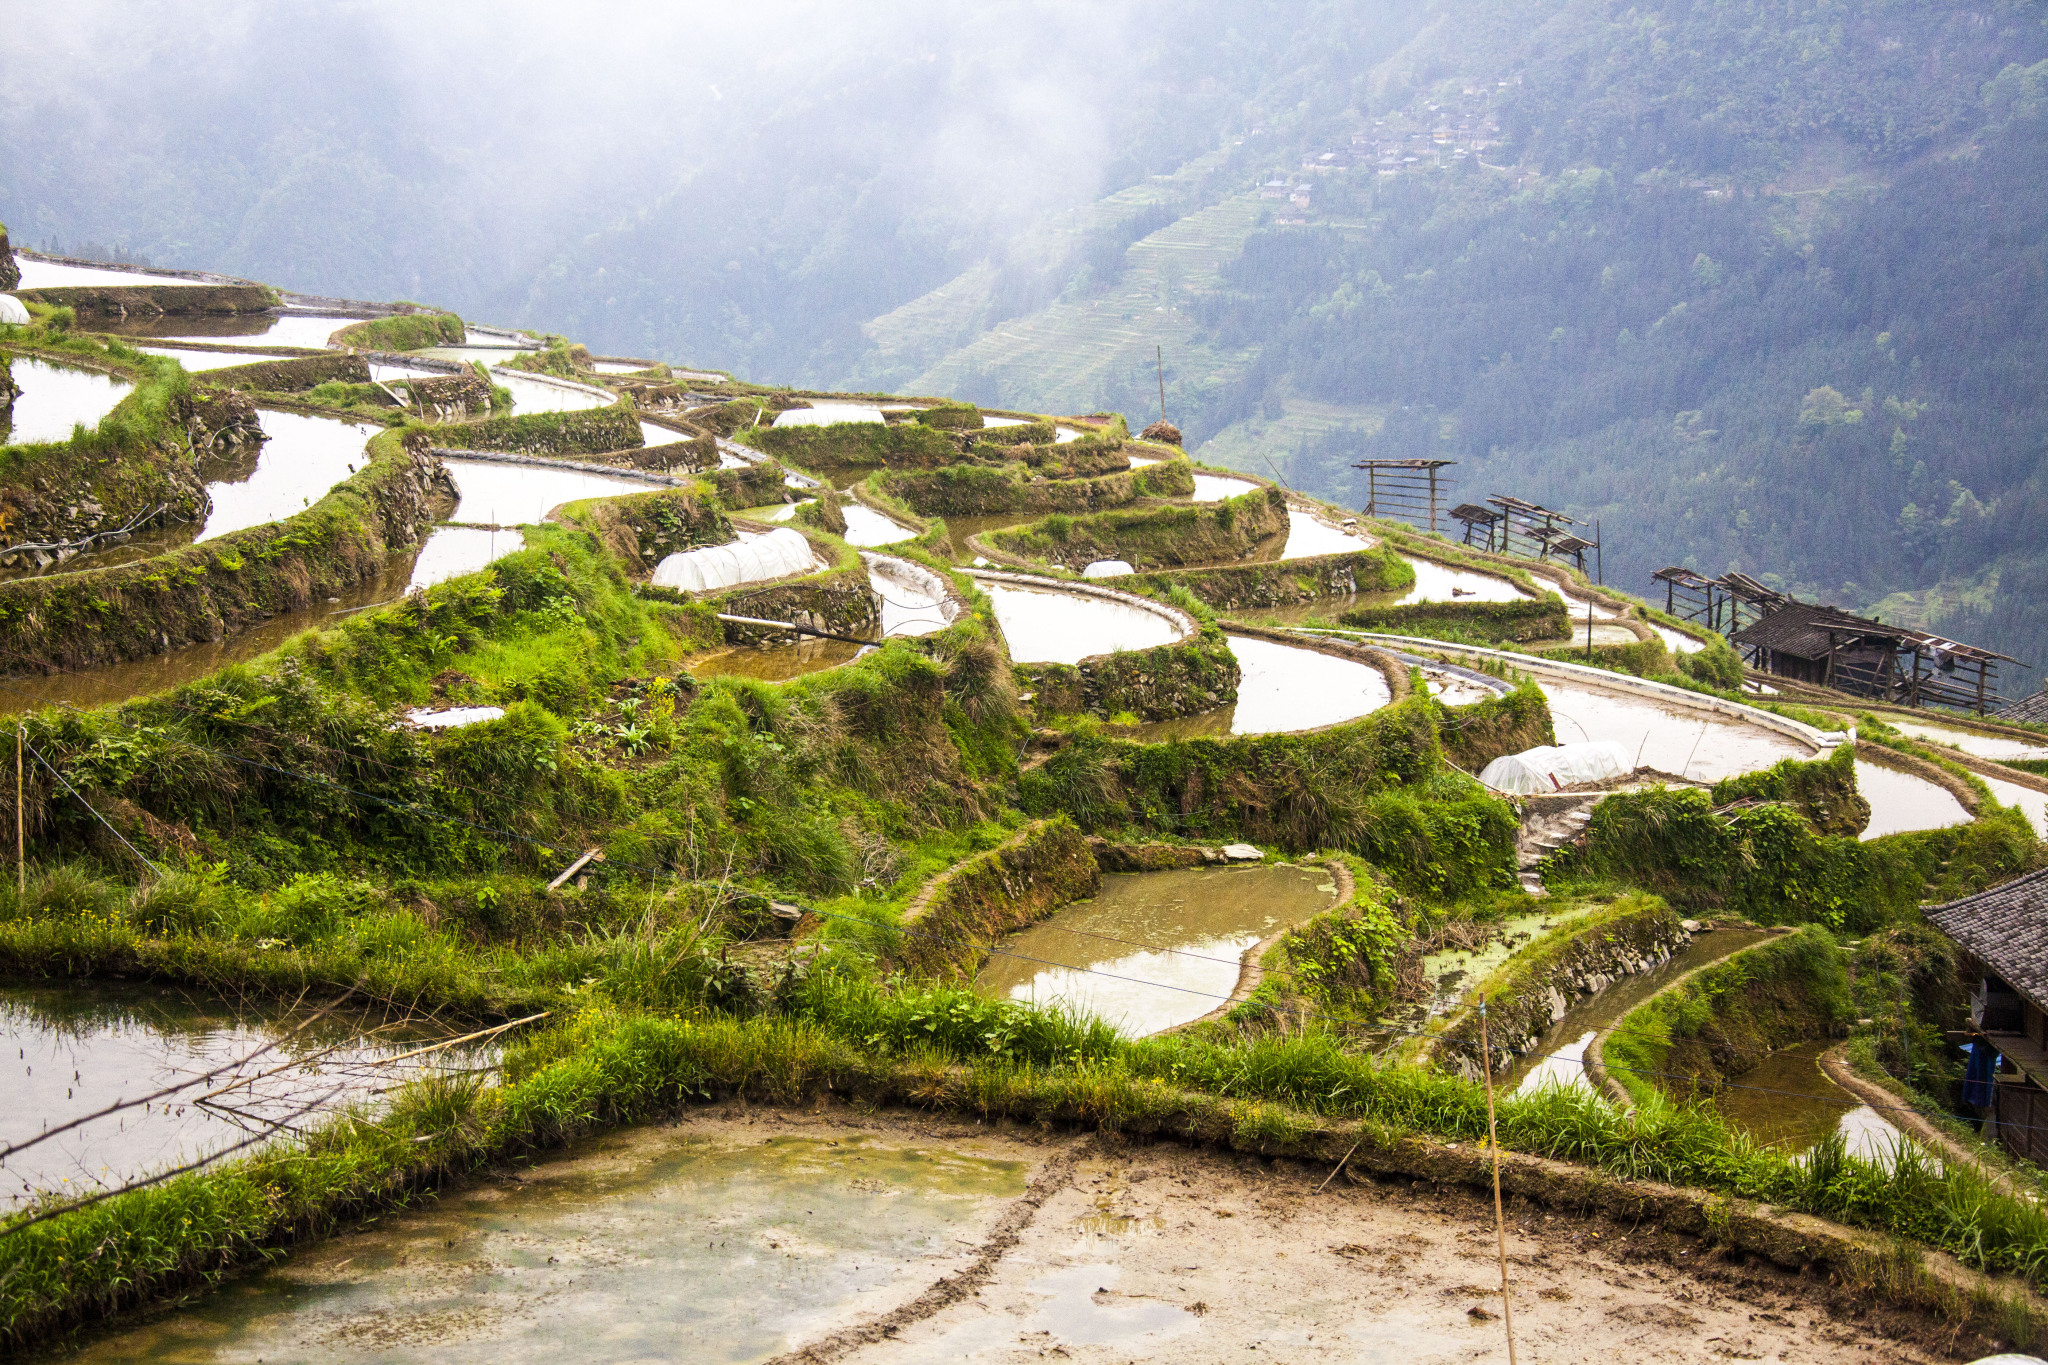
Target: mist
point(743, 185)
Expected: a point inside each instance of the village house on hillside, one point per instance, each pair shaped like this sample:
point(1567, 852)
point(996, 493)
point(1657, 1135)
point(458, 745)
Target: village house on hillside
point(2004, 935)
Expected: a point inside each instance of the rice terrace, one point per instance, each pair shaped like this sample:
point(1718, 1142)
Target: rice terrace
point(897, 764)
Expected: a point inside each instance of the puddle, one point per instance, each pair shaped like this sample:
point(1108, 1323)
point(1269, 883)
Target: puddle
point(1900, 802)
point(1787, 1102)
point(1044, 626)
point(1082, 1309)
point(1154, 949)
point(1998, 748)
point(1559, 1055)
point(654, 1245)
point(302, 458)
point(1698, 745)
point(37, 274)
point(2034, 803)
point(1282, 689)
point(82, 1048)
point(54, 398)
point(1309, 535)
point(1217, 487)
point(515, 494)
point(1436, 582)
point(452, 551)
point(1062, 435)
point(865, 527)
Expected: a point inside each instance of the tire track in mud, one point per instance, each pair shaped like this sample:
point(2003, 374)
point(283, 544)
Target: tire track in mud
point(948, 1290)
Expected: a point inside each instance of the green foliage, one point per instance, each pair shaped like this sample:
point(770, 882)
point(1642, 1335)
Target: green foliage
point(1769, 864)
point(1485, 622)
point(1152, 537)
point(950, 417)
point(1477, 733)
point(1822, 790)
point(405, 332)
point(897, 445)
point(585, 431)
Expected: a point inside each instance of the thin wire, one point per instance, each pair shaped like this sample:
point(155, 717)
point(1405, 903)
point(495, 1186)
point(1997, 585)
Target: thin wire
point(89, 806)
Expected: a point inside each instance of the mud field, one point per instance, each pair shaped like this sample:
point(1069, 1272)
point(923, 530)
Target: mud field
point(740, 1235)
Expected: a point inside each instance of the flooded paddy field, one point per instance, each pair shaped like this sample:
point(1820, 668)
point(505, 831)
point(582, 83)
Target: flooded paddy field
point(82, 1048)
point(1154, 949)
point(302, 457)
point(54, 399)
point(1559, 1055)
point(1672, 739)
point(495, 494)
point(1309, 535)
point(1217, 487)
point(1997, 748)
point(1900, 802)
point(745, 1235)
point(1282, 688)
point(865, 527)
point(41, 273)
point(198, 362)
point(1046, 626)
point(1788, 1103)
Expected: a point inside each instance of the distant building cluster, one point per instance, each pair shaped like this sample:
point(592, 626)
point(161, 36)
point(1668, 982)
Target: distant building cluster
point(1432, 135)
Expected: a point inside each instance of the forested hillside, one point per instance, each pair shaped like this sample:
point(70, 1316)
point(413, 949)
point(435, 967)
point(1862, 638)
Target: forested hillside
point(1759, 286)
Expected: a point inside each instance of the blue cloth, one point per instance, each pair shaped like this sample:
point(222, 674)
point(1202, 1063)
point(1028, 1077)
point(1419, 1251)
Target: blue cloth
point(1978, 1087)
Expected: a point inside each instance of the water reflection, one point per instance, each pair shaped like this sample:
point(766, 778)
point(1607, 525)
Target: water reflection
point(1283, 688)
point(512, 494)
point(82, 1048)
point(657, 1244)
point(301, 459)
point(55, 398)
point(1044, 626)
point(1699, 745)
point(1154, 949)
point(1900, 802)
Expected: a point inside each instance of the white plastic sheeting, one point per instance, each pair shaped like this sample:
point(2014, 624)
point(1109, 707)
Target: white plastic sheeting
point(1107, 568)
point(13, 311)
point(1549, 768)
point(827, 414)
point(454, 718)
point(751, 559)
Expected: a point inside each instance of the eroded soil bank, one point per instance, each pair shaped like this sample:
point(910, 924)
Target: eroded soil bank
point(740, 1235)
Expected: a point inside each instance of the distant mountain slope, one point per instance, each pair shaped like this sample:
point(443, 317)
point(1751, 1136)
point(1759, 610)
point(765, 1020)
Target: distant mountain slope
point(1760, 286)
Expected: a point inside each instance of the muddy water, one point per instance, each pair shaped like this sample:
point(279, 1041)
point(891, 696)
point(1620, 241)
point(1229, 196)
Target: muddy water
point(302, 458)
point(1455, 970)
point(513, 495)
point(1217, 487)
point(1154, 949)
point(1900, 802)
point(1049, 627)
point(1282, 689)
point(775, 663)
point(1787, 1102)
point(54, 398)
point(2034, 803)
point(1559, 1056)
point(655, 1245)
point(80, 1049)
point(1698, 745)
point(1997, 748)
point(865, 526)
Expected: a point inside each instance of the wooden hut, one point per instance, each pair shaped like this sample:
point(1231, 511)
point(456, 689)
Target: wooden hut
point(2003, 933)
point(1828, 647)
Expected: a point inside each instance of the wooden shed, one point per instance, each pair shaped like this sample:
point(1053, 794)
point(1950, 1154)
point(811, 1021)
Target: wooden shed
point(1828, 647)
point(2003, 933)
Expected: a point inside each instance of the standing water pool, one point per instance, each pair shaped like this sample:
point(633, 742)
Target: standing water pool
point(54, 398)
point(1154, 949)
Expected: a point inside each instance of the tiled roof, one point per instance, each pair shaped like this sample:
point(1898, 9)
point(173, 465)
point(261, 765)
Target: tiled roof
point(2033, 710)
point(2007, 929)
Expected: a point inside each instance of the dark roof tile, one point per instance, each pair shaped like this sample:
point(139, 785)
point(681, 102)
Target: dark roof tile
point(2007, 929)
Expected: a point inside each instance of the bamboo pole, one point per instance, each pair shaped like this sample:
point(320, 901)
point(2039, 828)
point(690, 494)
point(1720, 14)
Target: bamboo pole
point(1500, 1229)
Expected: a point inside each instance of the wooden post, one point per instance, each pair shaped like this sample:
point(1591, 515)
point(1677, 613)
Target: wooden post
point(1500, 1229)
point(1372, 492)
point(20, 845)
point(1599, 556)
point(1432, 499)
point(1159, 356)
